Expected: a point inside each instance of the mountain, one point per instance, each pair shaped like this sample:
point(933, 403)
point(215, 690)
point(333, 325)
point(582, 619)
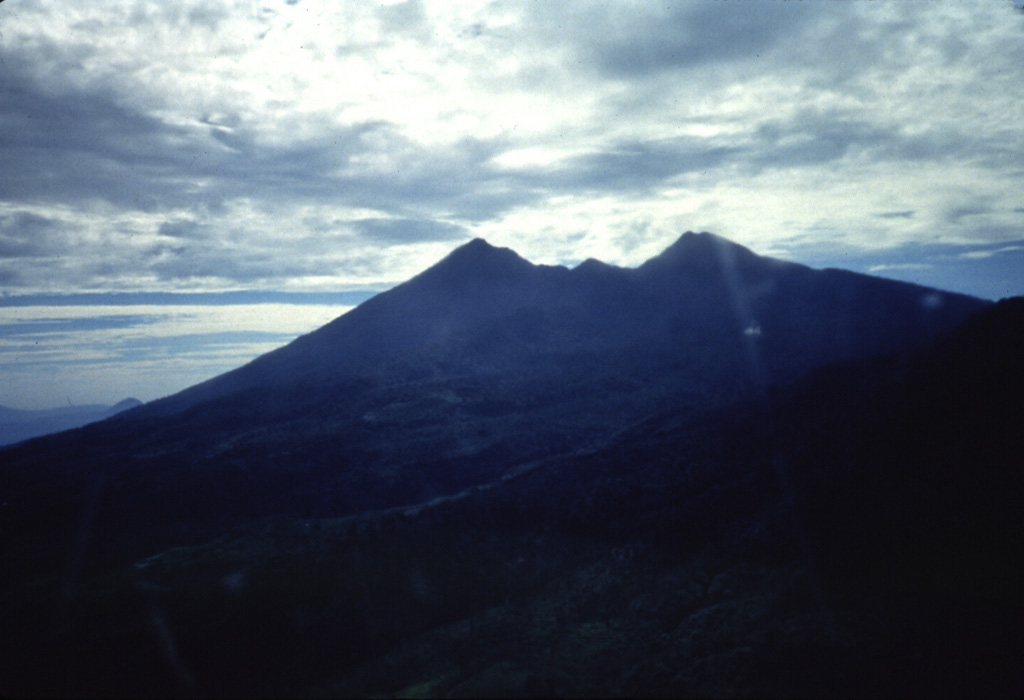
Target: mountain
point(484, 309)
point(477, 365)
point(513, 348)
point(861, 538)
point(492, 440)
point(17, 425)
point(480, 364)
point(853, 533)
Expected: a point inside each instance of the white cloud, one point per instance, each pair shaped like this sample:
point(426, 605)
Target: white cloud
point(983, 254)
point(261, 144)
point(468, 113)
point(899, 266)
point(144, 350)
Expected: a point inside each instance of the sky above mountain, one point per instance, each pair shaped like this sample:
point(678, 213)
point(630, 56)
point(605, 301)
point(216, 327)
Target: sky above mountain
point(300, 147)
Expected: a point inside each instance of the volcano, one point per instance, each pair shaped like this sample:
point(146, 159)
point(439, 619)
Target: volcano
point(480, 364)
point(492, 435)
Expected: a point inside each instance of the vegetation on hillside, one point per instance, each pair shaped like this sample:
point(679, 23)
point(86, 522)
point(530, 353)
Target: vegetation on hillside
point(854, 534)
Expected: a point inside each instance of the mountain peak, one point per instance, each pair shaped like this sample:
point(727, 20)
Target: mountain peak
point(592, 264)
point(125, 404)
point(705, 250)
point(477, 246)
point(478, 258)
point(481, 249)
point(704, 242)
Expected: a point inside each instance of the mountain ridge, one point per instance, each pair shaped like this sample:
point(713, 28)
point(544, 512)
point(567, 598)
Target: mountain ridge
point(854, 533)
point(701, 249)
point(675, 476)
point(482, 362)
point(434, 387)
point(477, 281)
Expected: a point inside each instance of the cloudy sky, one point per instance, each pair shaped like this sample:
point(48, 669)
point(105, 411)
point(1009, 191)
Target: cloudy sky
point(184, 185)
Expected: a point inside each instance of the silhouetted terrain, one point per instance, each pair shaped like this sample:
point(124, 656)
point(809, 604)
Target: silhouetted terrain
point(482, 363)
point(17, 425)
point(508, 479)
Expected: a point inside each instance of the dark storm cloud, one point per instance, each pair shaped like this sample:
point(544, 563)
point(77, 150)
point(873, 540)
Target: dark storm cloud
point(211, 259)
point(632, 40)
point(27, 235)
point(812, 137)
point(641, 64)
point(11, 275)
point(638, 165)
point(407, 230)
point(27, 223)
point(804, 140)
point(60, 148)
point(210, 15)
point(957, 215)
point(808, 138)
point(456, 179)
point(84, 146)
point(202, 262)
point(179, 228)
point(238, 165)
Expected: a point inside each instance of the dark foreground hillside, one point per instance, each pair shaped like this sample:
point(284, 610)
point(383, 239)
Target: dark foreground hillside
point(856, 534)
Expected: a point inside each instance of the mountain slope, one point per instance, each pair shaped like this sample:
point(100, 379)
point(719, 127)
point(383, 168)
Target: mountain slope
point(485, 308)
point(481, 364)
point(853, 534)
point(862, 539)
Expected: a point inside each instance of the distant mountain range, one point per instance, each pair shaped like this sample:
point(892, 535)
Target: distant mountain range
point(17, 424)
point(699, 476)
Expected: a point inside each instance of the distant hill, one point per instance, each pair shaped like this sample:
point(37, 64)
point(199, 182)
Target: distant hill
point(17, 425)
